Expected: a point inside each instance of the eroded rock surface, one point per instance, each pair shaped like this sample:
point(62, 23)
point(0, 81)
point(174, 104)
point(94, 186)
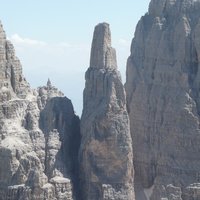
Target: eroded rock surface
point(106, 146)
point(37, 158)
point(163, 84)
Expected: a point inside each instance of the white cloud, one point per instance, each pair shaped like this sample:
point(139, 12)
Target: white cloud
point(19, 41)
point(16, 39)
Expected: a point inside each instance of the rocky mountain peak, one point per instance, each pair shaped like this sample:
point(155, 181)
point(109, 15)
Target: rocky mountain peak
point(161, 7)
point(39, 135)
point(49, 85)
point(46, 93)
point(106, 146)
point(12, 81)
point(102, 54)
point(2, 32)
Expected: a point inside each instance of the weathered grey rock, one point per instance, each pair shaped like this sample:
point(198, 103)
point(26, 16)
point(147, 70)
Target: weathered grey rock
point(12, 81)
point(39, 136)
point(106, 166)
point(47, 92)
point(192, 192)
point(163, 99)
point(57, 120)
point(63, 188)
point(102, 54)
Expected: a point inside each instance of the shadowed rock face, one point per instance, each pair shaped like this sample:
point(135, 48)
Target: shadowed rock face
point(106, 145)
point(39, 136)
point(163, 84)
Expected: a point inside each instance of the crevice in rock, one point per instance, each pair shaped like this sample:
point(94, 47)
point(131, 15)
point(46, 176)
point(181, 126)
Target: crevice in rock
point(13, 79)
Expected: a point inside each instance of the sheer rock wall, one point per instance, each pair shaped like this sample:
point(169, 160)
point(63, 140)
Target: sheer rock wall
point(162, 86)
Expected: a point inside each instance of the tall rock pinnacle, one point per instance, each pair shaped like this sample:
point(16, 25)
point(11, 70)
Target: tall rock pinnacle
point(102, 54)
point(106, 146)
point(163, 99)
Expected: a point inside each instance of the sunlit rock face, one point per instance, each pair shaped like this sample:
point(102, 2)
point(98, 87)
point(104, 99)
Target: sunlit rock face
point(105, 154)
point(39, 136)
point(162, 86)
point(12, 81)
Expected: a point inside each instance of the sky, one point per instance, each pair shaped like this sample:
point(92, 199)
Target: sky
point(52, 38)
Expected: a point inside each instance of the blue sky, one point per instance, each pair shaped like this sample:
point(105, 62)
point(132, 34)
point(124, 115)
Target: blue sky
point(52, 38)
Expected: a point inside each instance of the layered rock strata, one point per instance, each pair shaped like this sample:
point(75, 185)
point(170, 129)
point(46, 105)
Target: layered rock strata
point(36, 127)
point(106, 147)
point(163, 84)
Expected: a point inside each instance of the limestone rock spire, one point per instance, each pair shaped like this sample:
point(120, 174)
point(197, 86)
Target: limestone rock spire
point(49, 85)
point(102, 54)
point(12, 81)
point(106, 147)
point(2, 32)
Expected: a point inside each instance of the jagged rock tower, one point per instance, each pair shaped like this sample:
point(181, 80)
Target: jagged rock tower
point(163, 97)
point(106, 146)
point(39, 136)
point(12, 81)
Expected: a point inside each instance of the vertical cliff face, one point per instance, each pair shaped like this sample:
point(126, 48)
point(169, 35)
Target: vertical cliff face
point(39, 136)
point(163, 82)
point(106, 148)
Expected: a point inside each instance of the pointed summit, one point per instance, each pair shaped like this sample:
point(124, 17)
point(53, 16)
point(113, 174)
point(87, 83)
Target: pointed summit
point(105, 155)
point(2, 32)
point(11, 70)
point(102, 54)
point(49, 85)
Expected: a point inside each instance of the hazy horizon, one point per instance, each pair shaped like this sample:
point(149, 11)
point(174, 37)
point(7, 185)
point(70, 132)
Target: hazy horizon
point(53, 39)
